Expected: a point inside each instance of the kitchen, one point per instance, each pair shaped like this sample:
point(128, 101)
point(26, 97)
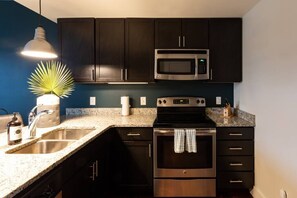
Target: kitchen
point(267, 79)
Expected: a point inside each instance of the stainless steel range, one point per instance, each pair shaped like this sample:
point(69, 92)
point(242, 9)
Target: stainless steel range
point(185, 173)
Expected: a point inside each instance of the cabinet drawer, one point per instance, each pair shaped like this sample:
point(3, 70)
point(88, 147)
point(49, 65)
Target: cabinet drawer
point(235, 163)
point(235, 133)
point(235, 180)
point(235, 147)
point(137, 133)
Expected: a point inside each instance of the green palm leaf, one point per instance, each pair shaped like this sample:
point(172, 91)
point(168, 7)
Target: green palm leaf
point(52, 77)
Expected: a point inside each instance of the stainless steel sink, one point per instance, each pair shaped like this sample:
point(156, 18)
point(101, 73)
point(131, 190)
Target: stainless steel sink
point(66, 134)
point(43, 147)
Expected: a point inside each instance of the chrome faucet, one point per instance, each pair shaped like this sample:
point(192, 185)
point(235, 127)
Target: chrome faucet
point(33, 118)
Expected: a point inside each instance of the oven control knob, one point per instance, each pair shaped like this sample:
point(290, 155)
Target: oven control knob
point(184, 171)
point(198, 101)
point(160, 101)
point(164, 101)
point(202, 101)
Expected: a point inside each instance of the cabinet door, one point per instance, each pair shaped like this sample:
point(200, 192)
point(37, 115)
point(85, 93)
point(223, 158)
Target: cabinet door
point(77, 47)
point(225, 43)
point(139, 51)
point(79, 185)
point(133, 170)
point(195, 33)
point(110, 49)
point(168, 33)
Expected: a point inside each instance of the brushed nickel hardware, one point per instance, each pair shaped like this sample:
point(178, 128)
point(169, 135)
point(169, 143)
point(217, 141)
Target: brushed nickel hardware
point(179, 41)
point(235, 148)
point(235, 164)
point(133, 134)
point(184, 171)
point(93, 74)
point(235, 181)
point(122, 74)
point(93, 172)
point(235, 134)
point(184, 41)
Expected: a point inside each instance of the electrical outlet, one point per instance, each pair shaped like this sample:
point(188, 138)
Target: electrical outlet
point(143, 100)
point(92, 100)
point(218, 100)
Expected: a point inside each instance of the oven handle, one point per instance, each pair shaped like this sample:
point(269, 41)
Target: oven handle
point(199, 131)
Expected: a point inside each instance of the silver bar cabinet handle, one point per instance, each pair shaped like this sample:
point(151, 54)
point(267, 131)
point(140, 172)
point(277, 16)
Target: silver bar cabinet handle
point(235, 181)
point(133, 134)
point(235, 148)
point(179, 41)
point(184, 41)
point(235, 164)
point(93, 172)
point(150, 153)
point(93, 74)
point(122, 74)
point(235, 134)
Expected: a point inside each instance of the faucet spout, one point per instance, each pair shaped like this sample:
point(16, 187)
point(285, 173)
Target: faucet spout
point(33, 119)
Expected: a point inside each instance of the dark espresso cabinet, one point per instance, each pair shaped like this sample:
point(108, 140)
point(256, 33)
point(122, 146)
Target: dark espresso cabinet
point(225, 45)
point(76, 37)
point(131, 160)
point(139, 50)
point(108, 49)
point(181, 33)
point(110, 46)
point(235, 158)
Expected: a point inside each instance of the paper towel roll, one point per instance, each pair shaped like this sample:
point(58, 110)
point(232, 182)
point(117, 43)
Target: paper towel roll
point(125, 105)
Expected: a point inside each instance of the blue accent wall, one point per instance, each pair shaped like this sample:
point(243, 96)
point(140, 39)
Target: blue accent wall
point(17, 27)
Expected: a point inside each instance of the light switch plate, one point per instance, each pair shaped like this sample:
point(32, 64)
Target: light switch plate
point(92, 100)
point(143, 100)
point(218, 100)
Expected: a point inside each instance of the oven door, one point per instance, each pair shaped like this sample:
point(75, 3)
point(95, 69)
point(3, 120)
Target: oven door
point(168, 164)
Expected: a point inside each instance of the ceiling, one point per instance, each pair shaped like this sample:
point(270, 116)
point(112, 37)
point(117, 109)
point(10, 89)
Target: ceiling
point(53, 9)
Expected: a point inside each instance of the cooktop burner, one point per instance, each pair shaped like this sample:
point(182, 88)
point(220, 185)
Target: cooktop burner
point(182, 112)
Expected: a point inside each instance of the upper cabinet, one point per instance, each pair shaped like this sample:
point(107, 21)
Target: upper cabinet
point(76, 38)
point(225, 45)
point(108, 50)
point(139, 50)
point(181, 33)
point(110, 46)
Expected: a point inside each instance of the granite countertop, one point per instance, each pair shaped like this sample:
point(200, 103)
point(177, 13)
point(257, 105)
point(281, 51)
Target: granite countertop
point(18, 171)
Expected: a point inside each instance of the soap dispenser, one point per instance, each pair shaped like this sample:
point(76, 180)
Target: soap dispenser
point(14, 131)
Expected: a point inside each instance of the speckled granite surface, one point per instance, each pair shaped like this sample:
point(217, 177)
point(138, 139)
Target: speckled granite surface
point(239, 118)
point(18, 171)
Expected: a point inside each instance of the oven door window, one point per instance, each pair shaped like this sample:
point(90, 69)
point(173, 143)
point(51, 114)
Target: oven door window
point(167, 158)
point(176, 66)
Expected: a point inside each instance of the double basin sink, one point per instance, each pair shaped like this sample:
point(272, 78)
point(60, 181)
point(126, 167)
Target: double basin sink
point(53, 141)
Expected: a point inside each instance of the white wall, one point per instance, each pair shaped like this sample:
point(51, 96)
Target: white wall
point(269, 90)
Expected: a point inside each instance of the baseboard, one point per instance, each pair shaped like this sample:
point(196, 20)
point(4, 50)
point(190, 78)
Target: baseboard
point(256, 193)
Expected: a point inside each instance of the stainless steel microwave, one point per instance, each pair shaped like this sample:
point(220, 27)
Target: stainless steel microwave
point(181, 64)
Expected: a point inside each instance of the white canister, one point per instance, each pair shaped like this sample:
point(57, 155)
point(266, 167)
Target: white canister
point(125, 105)
point(48, 102)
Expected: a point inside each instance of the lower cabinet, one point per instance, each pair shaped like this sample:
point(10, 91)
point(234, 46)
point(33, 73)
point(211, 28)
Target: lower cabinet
point(235, 158)
point(87, 170)
point(131, 160)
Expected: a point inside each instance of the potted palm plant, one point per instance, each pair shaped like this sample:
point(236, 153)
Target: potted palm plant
point(50, 81)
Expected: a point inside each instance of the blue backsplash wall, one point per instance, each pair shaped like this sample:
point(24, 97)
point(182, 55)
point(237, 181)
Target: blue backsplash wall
point(17, 27)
